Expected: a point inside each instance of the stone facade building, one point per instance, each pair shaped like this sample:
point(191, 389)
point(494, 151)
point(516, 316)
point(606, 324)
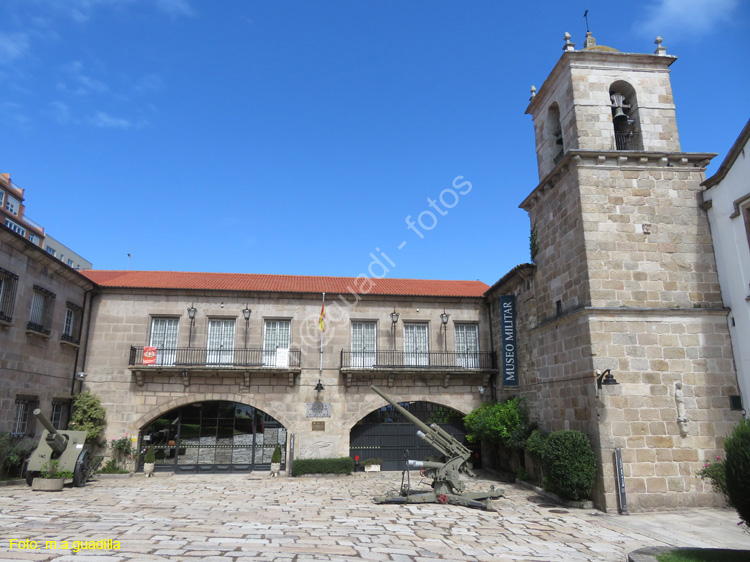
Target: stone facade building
point(624, 279)
point(42, 309)
point(165, 348)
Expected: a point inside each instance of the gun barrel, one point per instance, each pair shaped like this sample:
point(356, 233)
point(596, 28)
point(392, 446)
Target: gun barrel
point(56, 441)
point(44, 421)
point(425, 464)
point(404, 412)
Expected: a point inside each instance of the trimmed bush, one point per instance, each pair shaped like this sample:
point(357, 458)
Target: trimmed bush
point(737, 467)
point(276, 456)
point(341, 465)
point(536, 442)
point(88, 415)
point(150, 456)
point(569, 465)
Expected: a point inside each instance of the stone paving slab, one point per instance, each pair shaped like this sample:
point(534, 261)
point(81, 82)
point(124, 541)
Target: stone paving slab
point(238, 518)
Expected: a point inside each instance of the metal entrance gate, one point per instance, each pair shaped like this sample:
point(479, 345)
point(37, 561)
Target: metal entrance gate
point(215, 437)
point(385, 434)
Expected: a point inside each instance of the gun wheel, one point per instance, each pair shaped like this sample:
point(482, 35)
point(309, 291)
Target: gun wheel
point(442, 498)
point(82, 469)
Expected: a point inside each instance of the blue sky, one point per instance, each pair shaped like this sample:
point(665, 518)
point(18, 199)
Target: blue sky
point(297, 137)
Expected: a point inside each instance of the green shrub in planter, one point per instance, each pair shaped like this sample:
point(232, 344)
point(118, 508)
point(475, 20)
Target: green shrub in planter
point(341, 465)
point(276, 457)
point(737, 467)
point(150, 456)
point(569, 465)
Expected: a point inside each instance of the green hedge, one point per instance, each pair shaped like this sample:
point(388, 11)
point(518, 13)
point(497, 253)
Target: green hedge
point(569, 465)
point(536, 442)
point(502, 422)
point(737, 466)
point(341, 465)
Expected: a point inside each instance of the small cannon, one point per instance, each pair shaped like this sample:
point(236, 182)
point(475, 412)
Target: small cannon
point(447, 486)
point(66, 447)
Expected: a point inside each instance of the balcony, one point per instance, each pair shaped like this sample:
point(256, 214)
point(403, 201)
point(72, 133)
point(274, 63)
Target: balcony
point(186, 360)
point(438, 362)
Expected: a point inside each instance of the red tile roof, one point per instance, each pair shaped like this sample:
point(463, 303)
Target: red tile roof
point(283, 283)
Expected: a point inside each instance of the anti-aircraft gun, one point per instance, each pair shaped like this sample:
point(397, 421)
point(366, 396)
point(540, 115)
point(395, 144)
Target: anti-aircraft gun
point(447, 486)
point(66, 447)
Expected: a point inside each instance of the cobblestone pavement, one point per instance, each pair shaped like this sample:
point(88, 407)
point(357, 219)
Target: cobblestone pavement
point(241, 518)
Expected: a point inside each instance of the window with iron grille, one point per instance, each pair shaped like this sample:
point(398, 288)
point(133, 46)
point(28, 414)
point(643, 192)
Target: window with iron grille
point(72, 325)
point(363, 344)
point(467, 345)
point(23, 421)
point(220, 341)
point(164, 339)
point(42, 305)
point(416, 343)
point(8, 283)
point(60, 413)
point(276, 339)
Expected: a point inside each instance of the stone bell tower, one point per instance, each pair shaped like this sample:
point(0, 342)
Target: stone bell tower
point(625, 279)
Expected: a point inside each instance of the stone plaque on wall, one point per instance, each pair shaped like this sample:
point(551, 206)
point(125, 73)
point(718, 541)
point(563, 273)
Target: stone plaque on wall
point(319, 410)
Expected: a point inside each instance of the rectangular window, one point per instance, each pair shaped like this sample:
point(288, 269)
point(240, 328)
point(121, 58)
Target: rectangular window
point(42, 305)
point(23, 421)
point(164, 339)
point(276, 342)
point(467, 346)
point(70, 262)
point(8, 283)
point(363, 344)
point(12, 205)
point(60, 413)
point(72, 325)
point(746, 217)
point(2, 197)
point(221, 341)
point(17, 228)
point(51, 250)
point(416, 344)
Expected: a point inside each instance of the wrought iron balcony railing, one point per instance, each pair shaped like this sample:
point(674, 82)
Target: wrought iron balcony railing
point(180, 357)
point(479, 360)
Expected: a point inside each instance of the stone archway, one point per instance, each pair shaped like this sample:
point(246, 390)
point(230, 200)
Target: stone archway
point(214, 436)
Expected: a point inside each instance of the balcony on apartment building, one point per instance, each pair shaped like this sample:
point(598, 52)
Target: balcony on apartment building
point(445, 363)
point(188, 360)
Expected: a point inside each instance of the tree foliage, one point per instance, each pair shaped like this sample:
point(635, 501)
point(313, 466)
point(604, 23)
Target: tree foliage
point(503, 422)
point(88, 415)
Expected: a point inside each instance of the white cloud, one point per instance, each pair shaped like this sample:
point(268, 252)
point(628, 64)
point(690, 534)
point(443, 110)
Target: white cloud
point(103, 120)
point(82, 84)
point(175, 7)
point(672, 18)
point(60, 112)
point(13, 46)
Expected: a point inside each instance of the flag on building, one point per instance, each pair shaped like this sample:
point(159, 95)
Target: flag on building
point(321, 323)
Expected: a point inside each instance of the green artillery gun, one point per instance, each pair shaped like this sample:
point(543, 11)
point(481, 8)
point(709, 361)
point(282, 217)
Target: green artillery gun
point(447, 486)
point(66, 447)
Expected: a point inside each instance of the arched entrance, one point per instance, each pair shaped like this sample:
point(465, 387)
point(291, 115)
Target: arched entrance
point(215, 436)
point(385, 434)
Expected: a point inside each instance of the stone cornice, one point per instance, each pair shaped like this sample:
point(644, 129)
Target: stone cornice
point(575, 314)
point(629, 160)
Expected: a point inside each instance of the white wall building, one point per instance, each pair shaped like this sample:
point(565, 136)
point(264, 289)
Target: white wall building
point(727, 201)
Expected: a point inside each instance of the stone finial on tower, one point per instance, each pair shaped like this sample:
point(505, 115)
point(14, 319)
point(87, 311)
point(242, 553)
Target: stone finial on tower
point(533, 92)
point(590, 41)
point(568, 45)
point(660, 49)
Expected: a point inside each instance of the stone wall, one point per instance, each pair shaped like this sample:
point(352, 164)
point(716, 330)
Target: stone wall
point(33, 365)
point(122, 319)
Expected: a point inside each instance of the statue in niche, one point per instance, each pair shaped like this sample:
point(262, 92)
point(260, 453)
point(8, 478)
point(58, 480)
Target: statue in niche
point(679, 398)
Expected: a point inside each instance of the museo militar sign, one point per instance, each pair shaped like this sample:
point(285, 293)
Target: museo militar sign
point(509, 347)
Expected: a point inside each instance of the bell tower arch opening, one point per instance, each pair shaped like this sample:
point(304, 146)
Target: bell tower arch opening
point(625, 117)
